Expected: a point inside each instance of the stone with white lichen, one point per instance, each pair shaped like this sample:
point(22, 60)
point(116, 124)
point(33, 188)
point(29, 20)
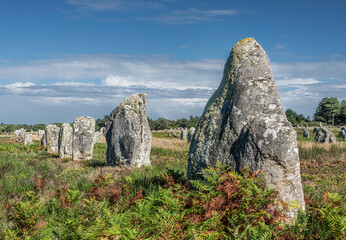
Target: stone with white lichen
point(83, 138)
point(244, 125)
point(65, 141)
point(52, 138)
point(128, 133)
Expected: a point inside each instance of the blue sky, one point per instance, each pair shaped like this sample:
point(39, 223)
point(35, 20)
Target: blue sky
point(69, 58)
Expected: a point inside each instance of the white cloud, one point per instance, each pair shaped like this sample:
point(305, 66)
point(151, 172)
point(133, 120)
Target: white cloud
point(19, 85)
point(192, 16)
point(117, 81)
point(295, 81)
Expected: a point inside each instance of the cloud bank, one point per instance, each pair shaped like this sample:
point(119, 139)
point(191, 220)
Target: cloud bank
point(58, 90)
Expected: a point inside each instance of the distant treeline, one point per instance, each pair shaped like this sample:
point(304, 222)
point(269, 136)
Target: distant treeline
point(329, 111)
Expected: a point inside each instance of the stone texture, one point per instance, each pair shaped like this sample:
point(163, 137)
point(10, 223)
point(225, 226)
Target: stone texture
point(21, 134)
point(83, 138)
point(341, 133)
point(306, 133)
point(315, 130)
point(40, 132)
point(28, 139)
point(16, 134)
point(244, 124)
point(52, 138)
point(103, 131)
point(324, 136)
point(65, 141)
point(98, 136)
point(183, 135)
point(190, 134)
point(44, 140)
point(129, 135)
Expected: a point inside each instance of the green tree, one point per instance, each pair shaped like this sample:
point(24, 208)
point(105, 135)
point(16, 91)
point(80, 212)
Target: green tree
point(328, 110)
point(291, 116)
point(342, 116)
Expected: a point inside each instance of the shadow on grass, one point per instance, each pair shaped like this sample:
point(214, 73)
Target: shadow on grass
point(94, 163)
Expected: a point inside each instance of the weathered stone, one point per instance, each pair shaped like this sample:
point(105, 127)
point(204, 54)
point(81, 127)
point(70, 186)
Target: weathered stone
point(40, 132)
point(306, 133)
point(28, 139)
point(44, 140)
point(320, 124)
point(315, 130)
point(65, 141)
point(341, 133)
point(168, 134)
point(324, 136)
point(183, 135)
point(16, 134)
point(21, 134)
point(98, 136)
point(129, 135)
point(244, 125)
point(103, 131)
point(83, 138)
point(190, 134)
point(52, 138)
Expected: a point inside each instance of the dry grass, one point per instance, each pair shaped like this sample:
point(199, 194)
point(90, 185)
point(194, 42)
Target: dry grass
point(174, 144)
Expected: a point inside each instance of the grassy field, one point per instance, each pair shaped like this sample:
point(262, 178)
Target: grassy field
point(44, 197)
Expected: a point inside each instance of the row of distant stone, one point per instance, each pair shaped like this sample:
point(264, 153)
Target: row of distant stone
point(75, 142)
point(185, 134)
point(323, 135)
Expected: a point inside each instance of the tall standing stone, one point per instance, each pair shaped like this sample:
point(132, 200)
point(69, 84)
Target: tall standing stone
point(83, 138)
point(190, 134)
point(52, 138)
point(65, 141)
point(324, 136)
point(183, 134)
point(28, 139)
point(21, 134)
point(244, 125)
point(129, 135)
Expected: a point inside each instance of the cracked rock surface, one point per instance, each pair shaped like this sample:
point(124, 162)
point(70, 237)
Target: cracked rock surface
point(244, 125)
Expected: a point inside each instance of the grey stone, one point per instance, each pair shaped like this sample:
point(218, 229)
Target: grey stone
point(28, 139)
point(342, 133)
point(103, 131)
point(52, 138)
point(129, 136)
point(324, 136)
point(16, 134)
point(65, 141)
point(321, 125)
point(44, 140)
point(21, 134)
point(315, 130)
point(98, 136)
point(244, 124)
point(83, 138)
point(306, 133)
point(190, 134)
point(40, 133)
point(183, 135)
point(168, 134)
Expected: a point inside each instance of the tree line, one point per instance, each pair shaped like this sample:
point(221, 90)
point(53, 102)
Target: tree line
point(329, 111)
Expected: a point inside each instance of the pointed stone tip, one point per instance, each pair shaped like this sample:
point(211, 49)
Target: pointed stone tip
point(245, 41)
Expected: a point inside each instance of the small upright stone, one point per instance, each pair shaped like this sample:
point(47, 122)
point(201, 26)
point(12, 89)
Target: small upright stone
point(321, 125)
point(52, 138)
point(16, 134)
point(21, 134)
point(98, 136)
point(315, 130)
point(183, 135)
point(28, 139)
point(129, 135)
point(65, 141)
point(190, 134)
point(244, 125)
point(83, 138)
point(40, 133)
point(306, 133)
point(324, 136)
point(341, 133)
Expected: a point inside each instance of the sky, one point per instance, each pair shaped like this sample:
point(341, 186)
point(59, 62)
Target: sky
point(61, 59)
